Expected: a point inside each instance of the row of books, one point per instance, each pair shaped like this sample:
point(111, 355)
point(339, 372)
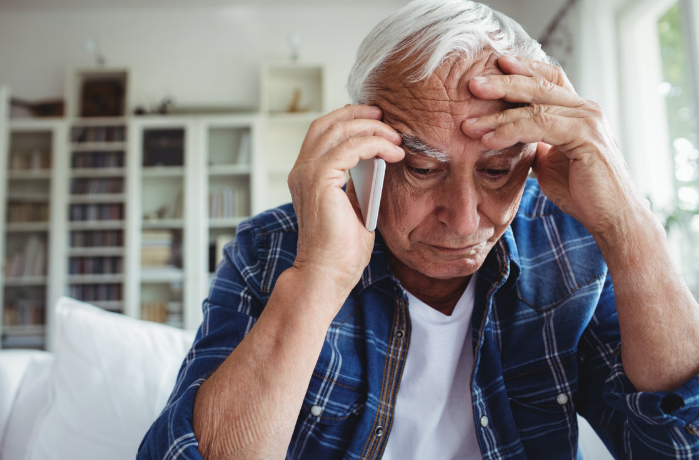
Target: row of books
point(27, 212)
point(95, 292)
point(97, 160)
point(98, 134)
point(96, 186)
point(95, 265)
point(96, 239)
point(163, 312)
point(33, 160)
point(24, 312)
point(157, 248)
point(30, 261)
point(227, 203)
point(96, 212)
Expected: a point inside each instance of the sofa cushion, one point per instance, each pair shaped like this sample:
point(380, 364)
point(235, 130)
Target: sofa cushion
point(32, 397)
point(111, 378)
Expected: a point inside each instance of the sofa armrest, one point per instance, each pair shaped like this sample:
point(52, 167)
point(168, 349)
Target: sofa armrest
point(13, 367)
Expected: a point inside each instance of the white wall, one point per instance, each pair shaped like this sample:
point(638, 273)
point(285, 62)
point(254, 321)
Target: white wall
point(198, 55)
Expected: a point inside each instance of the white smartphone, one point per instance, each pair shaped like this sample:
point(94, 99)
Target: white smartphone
point(367, 177)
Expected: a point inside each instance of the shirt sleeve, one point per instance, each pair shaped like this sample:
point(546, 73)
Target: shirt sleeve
point(632, 424)
point(230, 311)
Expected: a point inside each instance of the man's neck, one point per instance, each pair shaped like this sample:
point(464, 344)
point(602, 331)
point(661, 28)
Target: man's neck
point(442, 295)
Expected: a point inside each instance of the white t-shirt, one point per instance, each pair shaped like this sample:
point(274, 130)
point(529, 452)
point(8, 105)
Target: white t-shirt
point(433, 413)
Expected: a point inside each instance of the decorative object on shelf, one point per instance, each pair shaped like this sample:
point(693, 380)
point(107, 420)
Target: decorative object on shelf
point(41, 109)
point(295, 104)
point(156, 215)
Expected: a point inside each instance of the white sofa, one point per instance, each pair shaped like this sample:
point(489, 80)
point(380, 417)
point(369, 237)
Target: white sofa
point(96, 396)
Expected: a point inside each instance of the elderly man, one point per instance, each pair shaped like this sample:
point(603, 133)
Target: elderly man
point(481, 316)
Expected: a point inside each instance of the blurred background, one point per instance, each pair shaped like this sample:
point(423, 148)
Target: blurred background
point(135, 135)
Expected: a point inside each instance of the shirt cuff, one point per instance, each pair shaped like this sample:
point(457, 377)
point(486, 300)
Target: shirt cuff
point(678, 408)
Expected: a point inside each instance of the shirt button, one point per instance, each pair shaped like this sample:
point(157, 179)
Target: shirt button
point(316, 410)
point(379, 431)
point(562, 399)
point(484, 421)
point(400, 334)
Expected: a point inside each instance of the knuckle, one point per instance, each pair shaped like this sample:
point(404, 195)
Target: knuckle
point(545, 85)
point(336, 129)
point(536, 110)
point(544, 121)
point(500, 117)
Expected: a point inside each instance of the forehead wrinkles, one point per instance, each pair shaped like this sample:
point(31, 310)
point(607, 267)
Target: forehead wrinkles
point(442, 99)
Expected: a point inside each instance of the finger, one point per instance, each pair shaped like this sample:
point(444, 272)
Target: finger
point(346, 113)
point(530, 68)
point(341, 131)
point(346, 155)
point(475, 128)
point(520, 89)
point(549, 129)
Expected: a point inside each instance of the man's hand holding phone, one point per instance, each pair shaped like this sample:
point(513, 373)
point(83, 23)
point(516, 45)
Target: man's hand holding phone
point(334, 246)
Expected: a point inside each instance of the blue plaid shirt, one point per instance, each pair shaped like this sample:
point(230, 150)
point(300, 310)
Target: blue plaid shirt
point(545, 340)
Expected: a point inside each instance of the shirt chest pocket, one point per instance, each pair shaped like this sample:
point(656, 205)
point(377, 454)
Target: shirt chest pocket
point(332, 399)
point(544, 390)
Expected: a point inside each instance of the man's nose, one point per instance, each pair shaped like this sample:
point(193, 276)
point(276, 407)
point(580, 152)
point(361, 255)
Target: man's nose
point(458, 209)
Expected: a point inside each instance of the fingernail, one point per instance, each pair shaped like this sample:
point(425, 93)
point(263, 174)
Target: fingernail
point(489, 135)
point(472, 120)
point(481, 80)
point(400, 149)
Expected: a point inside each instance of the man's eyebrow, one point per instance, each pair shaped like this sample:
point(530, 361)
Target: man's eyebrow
point(416, 145)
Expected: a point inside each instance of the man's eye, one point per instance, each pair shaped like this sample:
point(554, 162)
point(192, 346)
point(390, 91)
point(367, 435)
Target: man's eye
point(420, 171)
point(496, 173)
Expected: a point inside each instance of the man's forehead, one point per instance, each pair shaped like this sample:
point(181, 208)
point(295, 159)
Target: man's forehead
point(441, 101)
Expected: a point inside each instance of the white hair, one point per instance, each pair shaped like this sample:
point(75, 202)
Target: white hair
point(433, 31)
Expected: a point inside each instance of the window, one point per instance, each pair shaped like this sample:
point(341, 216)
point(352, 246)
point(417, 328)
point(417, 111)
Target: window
point(680, 96)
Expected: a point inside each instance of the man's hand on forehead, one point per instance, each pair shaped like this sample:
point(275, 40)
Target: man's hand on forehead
point(578, 162)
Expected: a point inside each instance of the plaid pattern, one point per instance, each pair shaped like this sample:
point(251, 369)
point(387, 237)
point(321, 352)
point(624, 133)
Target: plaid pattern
point(545, 339)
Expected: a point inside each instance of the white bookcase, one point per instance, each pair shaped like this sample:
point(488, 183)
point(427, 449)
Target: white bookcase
point(292, 95)
point(140, 207)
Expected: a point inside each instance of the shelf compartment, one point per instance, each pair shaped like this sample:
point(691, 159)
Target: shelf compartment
point(163, 223)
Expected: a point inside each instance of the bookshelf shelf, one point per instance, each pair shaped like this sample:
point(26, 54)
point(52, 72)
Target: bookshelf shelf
point(94, 279)
point(96, 225)
point(162, 171)
point(99, 121)
point(230, 170)
point(29, 330)
point(96, 252)
point(163, 223)
point(26, 281)
point(97, 172)
point(98, 198)
point(161, 275)
point(97, 146)
point(29, 174)
point(226, 223)
point(40, 197)
point(27, 227)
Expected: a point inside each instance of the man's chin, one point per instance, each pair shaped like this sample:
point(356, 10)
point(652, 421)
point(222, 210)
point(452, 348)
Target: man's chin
point(441, 268)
